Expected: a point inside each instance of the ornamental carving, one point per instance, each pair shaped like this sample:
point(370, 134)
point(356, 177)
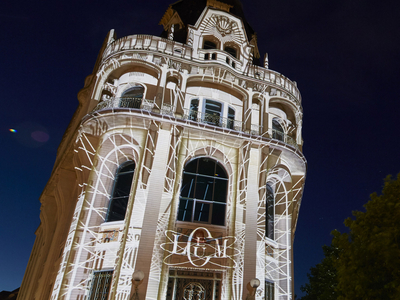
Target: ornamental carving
point(224, 25)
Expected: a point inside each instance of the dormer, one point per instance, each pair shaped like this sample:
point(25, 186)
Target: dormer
point(221, 37)
point(216, 29)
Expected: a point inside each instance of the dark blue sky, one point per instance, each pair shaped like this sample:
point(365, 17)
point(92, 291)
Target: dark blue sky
point(344, 55)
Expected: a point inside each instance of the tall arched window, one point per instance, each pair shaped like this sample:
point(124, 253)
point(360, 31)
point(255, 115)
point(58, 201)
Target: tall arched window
point(203, 192)
point(269, 212)
point(132, 97)
point(121, 191)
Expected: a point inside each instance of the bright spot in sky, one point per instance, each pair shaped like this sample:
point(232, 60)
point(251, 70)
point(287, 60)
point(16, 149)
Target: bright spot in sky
point(40, 136)
point(13, 130)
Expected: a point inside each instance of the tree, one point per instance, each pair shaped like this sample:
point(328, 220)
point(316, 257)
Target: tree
point(369, 255)
point(363, 264)
point(322, 278)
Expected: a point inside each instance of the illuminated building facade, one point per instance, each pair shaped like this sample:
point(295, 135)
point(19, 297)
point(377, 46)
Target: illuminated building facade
point(183, 161)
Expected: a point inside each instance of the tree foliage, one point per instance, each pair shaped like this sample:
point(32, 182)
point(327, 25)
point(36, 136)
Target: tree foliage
point(366, 261)
point(322, 278)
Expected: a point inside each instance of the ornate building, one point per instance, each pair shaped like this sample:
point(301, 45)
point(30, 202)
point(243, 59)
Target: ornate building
point(181, 173)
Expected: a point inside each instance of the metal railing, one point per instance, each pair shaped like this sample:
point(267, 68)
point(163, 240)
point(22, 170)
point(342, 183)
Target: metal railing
point(120, 102)
point(212, 119)
point(280, 136)
point(139, 43)
point(192, 115)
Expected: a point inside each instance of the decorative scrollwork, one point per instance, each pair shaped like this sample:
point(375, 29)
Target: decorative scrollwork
point(224, 25)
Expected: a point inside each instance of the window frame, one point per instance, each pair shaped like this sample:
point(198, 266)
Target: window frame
point(199, 113)
point(269, 211)
point(94, 290)
point(118, 173)
point(278, 131)
point(192, 203)
point(269, 290)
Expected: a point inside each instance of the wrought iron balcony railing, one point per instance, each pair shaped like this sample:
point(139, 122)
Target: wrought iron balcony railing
point(212, 119)
point(279, 135)
point(192, 115)
point(120, 102)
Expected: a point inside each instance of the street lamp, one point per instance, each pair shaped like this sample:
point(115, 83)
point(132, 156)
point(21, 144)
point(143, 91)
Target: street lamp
point(254, 284)
point(137, 278)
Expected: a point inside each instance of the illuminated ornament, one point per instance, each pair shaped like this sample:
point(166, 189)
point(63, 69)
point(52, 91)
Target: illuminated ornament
point(199, 248)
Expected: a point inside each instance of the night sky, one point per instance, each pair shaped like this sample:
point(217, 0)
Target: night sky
point(344, 55)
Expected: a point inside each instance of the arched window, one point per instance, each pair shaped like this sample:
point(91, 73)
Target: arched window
point(203, 192)
point(269, 212)
point(209, 45)
point(231, 51)
point(277, 131)
point(132, 97)
point(121, 191)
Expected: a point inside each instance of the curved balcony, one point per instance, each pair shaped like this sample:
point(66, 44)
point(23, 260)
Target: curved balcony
point(191, 115)
point(147, 46)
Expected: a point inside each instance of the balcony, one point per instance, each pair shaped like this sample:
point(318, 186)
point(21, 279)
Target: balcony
point(212, 119)
point(280, 136)
point(192, 115)
point(147, 47)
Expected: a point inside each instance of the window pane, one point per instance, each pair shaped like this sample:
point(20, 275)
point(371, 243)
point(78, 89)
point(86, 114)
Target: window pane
point(123, 185)
point(185, 210)
point(220, 190)
point(213, 107)
point(219, 171)
point(278, 130)
point(203, 192)
point(209, 45)
point(218, 214)
point(101, 283)
point(135, 92)
point(231, 118)
point(231, 51)
point(206, 166)
point(188, 184)
point(129, 168)
point(191, 167)
point(269, 203)
point(118, 209)
point(202, 212)
point(121, 191)
point(269, 290)
point(194, 108)
point(204, 188)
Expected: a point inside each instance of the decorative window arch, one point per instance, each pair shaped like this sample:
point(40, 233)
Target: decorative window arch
point(203, 192)
point(269, 211)
point(120, 193)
